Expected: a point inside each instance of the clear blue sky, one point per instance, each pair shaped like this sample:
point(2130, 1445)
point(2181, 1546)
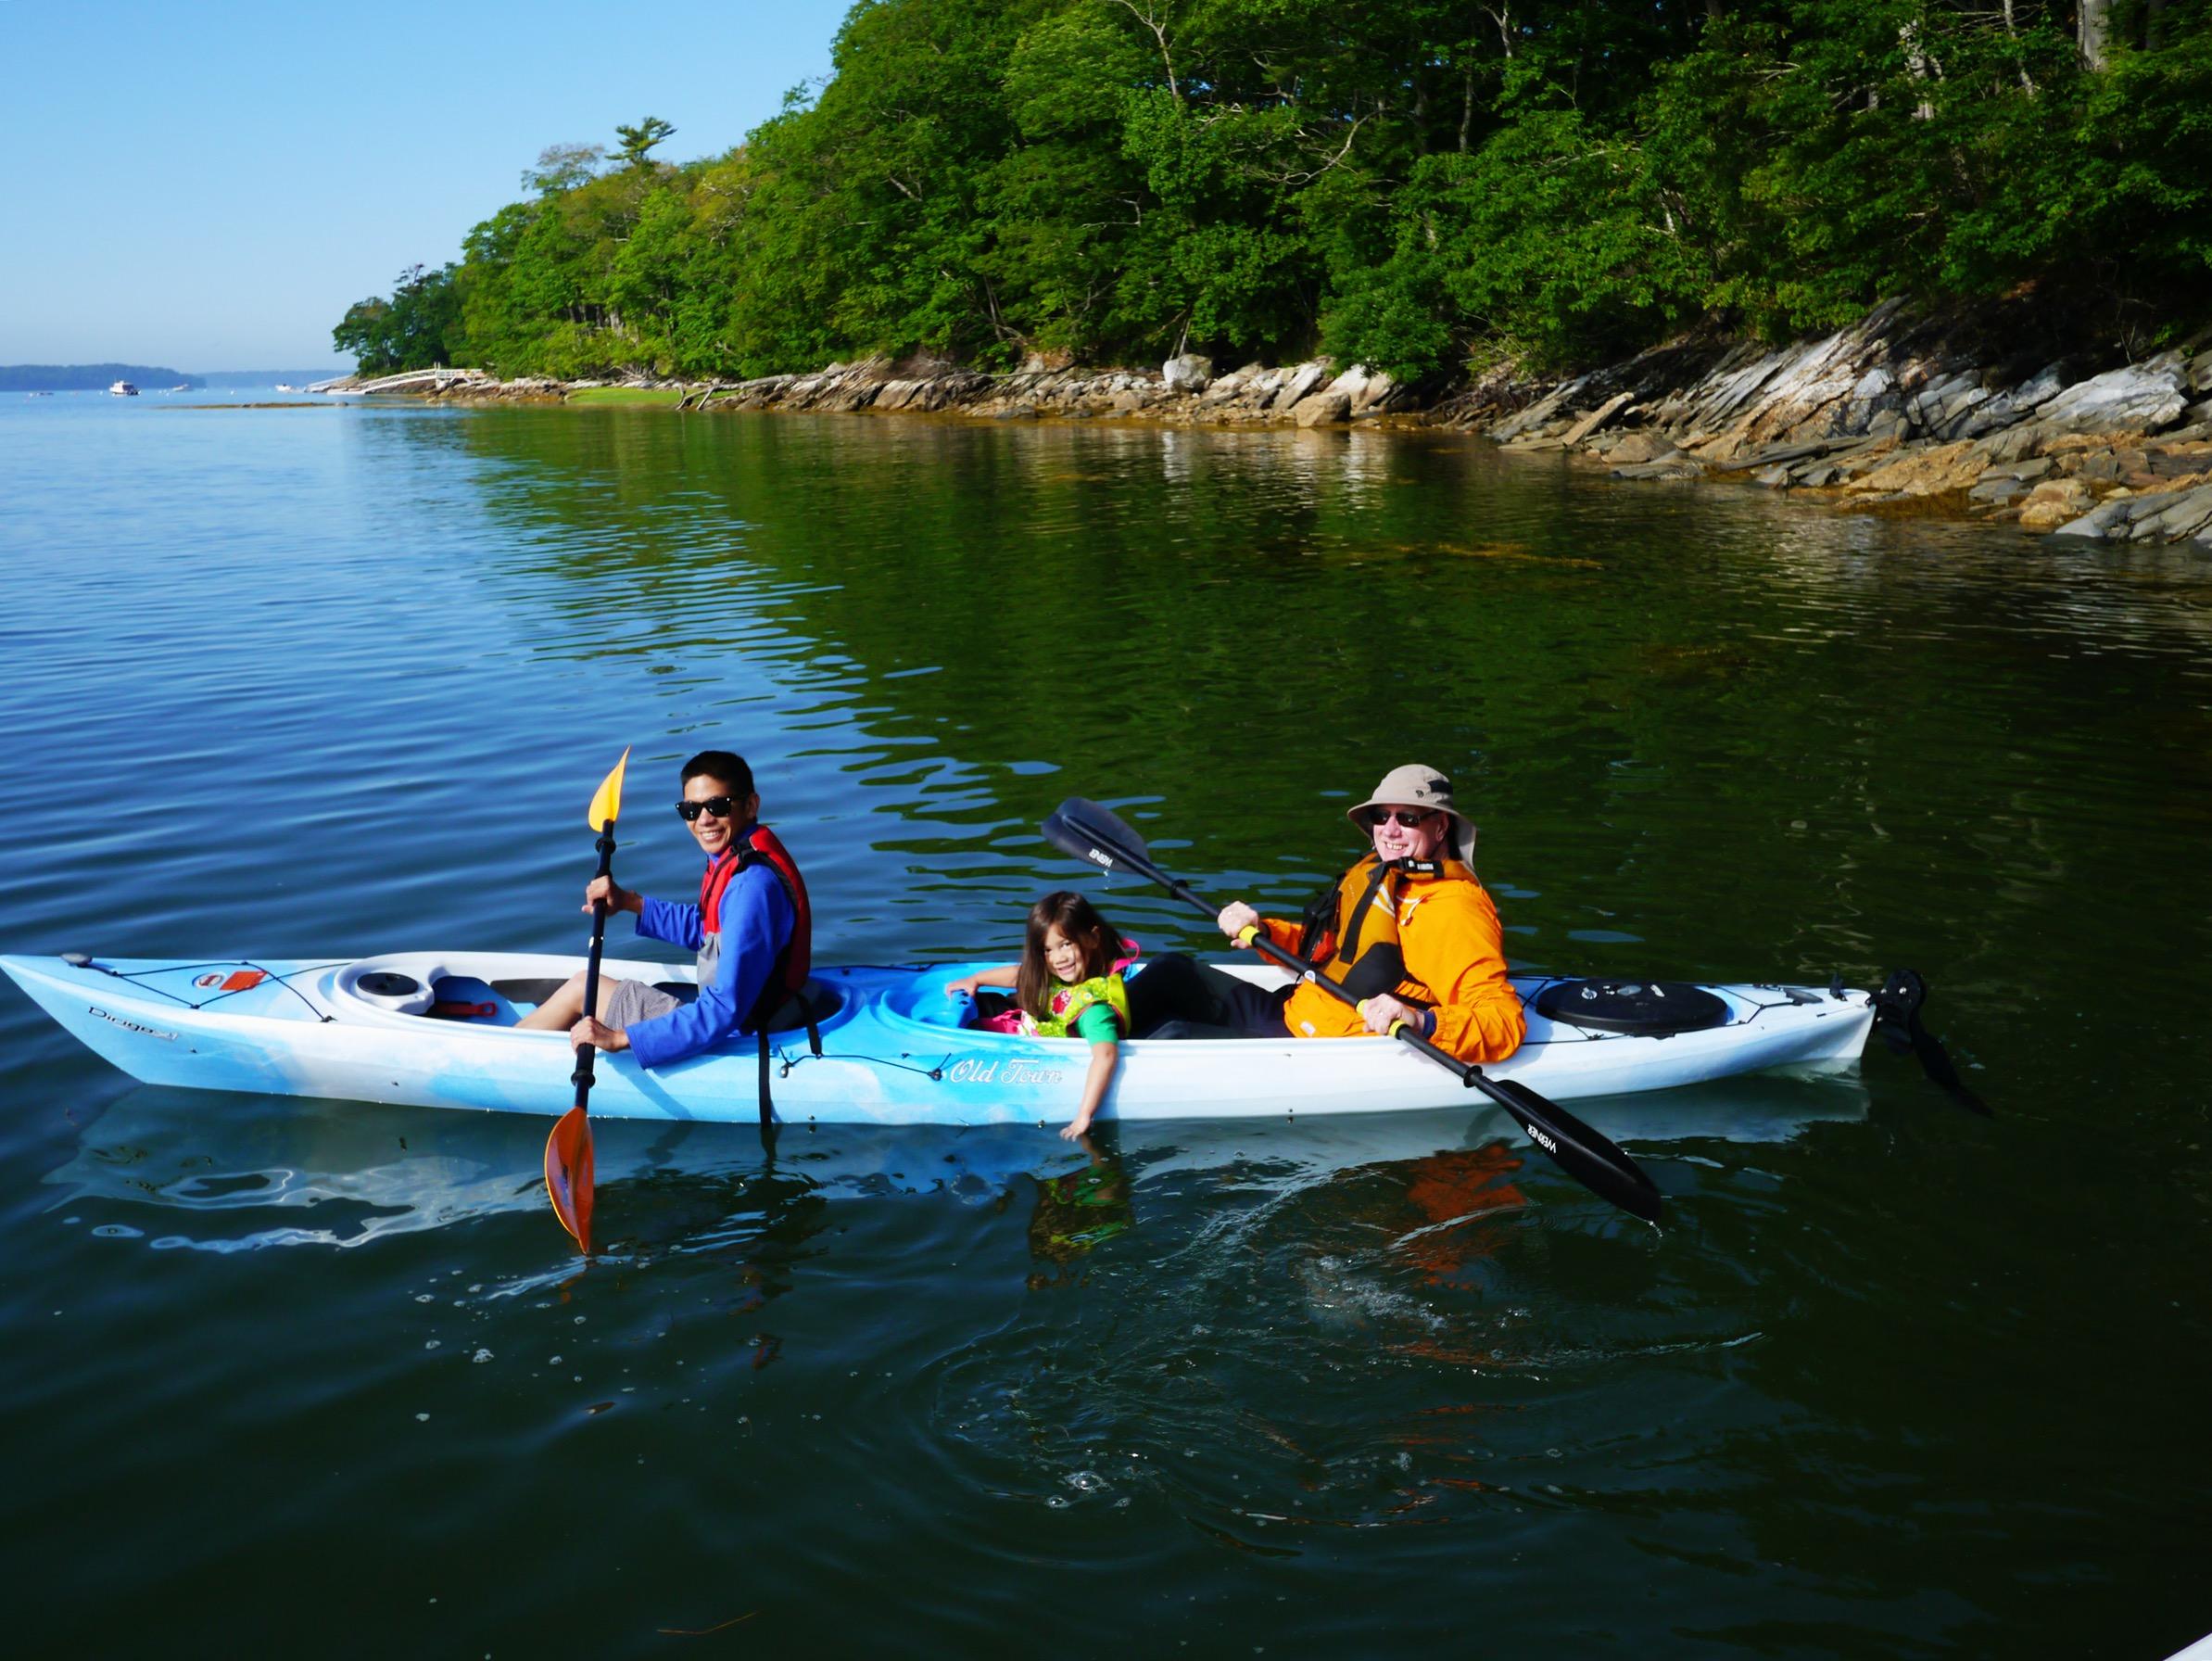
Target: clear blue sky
point(210, 185)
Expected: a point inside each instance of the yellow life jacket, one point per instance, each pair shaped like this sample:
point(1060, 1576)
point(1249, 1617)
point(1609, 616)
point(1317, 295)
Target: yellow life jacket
point(1068, 1002)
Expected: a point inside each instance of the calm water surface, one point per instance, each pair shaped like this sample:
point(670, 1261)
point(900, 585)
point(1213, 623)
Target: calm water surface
point(279, 1374)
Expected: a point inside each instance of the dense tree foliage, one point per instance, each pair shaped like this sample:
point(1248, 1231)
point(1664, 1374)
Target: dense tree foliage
point(1415, 183)
point(418, 326)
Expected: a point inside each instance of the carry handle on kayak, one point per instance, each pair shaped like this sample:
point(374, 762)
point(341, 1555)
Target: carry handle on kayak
point(1091, 833)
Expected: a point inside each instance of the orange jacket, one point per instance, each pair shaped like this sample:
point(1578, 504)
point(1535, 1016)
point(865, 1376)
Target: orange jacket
point(1455, 961)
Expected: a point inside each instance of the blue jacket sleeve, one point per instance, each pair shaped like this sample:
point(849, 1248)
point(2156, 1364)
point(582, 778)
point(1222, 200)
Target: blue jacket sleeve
point(668, 919)
point(756, 922)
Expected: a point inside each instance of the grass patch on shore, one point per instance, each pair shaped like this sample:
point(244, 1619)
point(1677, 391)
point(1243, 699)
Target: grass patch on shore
point(655, 397)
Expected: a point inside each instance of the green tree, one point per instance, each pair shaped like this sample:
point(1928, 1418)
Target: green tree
point(1411, 182)
point(639, 141)
point(418, 327)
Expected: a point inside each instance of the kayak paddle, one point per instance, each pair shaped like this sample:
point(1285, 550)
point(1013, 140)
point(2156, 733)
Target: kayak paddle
point(568, 1149)
point(1091, 833)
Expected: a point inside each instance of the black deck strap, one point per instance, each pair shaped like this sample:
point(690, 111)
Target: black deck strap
point(767, 1107)
point(1317, 931)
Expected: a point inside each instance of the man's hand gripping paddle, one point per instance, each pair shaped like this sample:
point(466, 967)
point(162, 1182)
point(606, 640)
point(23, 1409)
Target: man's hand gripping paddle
point(568, 1149)
point(1089, 832)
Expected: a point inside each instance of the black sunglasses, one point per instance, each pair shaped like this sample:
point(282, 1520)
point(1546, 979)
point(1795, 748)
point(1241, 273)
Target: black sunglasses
point(714, 806)
point(1411, 817)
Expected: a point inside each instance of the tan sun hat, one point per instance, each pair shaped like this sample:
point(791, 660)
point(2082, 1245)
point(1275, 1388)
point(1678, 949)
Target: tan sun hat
point(1416, 786)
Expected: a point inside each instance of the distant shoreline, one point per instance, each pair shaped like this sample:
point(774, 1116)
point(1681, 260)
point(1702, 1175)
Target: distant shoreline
point(151, 377)
point(1893, 415)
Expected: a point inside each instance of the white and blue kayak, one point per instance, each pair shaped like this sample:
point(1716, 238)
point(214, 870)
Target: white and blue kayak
point(896, 1047)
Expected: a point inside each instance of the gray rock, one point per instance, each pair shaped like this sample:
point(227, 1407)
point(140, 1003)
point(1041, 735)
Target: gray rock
point(2098, 521)
point(1949, 420)
point(1537, 413)
point(1307, 377)
point(2000, 489)
point(2142, 396)
point(2008, 408)
point(1378, 394)
point(1632, 448)
point(1189, 372)
point(1673, 467)
point(1323, 409)
point(2188, 511)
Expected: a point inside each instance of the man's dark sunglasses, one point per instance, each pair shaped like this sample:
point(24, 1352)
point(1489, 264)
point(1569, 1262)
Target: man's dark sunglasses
point(1411, 817)
point(713, 807)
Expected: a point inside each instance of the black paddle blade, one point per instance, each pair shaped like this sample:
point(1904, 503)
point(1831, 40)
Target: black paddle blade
point(1580, 1152)
point(1092, 833)
point(1897, 1019)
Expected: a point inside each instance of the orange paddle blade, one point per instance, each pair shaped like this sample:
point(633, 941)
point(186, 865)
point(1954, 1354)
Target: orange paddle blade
point(568, 1174)
point(606, 806)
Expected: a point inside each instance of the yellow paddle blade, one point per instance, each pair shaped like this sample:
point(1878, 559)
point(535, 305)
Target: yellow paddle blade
point(606, 806)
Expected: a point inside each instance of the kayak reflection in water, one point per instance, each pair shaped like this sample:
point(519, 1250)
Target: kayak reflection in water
point(1077, 1211)
point(751, 928)
point(1409, 929)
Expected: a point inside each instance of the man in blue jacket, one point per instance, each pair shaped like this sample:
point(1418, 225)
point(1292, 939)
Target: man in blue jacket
point(752, 929)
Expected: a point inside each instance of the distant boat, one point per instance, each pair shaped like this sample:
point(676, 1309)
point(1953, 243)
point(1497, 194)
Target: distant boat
point(285, 386)
point(38, 395)
point(181, 387)
point(123, 389)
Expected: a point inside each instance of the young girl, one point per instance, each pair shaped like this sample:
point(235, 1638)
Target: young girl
point(1069, 984)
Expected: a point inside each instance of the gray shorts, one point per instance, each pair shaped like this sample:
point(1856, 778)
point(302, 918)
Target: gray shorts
point(629, 1002)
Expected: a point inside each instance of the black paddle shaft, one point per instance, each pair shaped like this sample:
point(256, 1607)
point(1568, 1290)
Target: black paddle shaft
point(1091, 832)
point(586, 1053)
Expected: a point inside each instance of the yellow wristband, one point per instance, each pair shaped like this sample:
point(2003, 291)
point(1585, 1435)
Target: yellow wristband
point(1245, 935)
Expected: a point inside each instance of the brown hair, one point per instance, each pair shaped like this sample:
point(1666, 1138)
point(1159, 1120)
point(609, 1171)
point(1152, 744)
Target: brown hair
point(1079, 921)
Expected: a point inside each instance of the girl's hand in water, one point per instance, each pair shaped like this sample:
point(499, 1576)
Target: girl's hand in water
point(1077, 1127)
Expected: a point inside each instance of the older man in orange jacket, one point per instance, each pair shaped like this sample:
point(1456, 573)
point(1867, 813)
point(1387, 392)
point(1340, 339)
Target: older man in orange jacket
point(1412, 926)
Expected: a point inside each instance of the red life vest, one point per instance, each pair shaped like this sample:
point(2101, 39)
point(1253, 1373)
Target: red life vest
point(795, 962)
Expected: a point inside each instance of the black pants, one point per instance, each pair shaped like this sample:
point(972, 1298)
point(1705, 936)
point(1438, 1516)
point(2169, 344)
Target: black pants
point(1175, 997)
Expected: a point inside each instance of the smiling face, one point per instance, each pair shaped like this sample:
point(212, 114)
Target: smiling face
point(713, 831)
point(1396, 840)
point(1063, 955)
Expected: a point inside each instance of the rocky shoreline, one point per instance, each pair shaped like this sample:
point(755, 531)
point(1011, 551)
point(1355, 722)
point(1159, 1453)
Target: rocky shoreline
point(1894, 413)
